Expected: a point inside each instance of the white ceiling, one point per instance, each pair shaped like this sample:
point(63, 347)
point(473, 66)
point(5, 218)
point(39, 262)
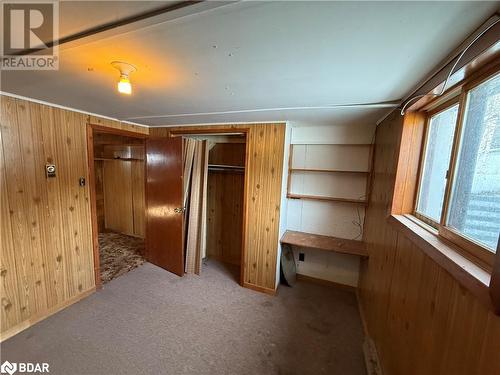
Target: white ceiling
point(249, 56)
point(77, 16)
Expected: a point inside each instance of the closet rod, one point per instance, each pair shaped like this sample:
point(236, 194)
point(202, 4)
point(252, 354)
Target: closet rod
point(225, 167)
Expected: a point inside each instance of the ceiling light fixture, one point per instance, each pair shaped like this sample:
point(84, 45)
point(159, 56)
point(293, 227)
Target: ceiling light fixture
point(125, 69)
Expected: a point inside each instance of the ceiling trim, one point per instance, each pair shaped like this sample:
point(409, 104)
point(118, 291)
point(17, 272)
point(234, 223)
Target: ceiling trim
point(115, 24)
point(192, 9)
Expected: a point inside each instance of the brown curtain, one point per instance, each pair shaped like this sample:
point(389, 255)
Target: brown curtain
point(196, 202)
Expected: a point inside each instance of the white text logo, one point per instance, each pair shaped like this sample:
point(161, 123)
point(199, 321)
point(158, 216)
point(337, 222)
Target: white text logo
point(8, 368)
point(23, 367)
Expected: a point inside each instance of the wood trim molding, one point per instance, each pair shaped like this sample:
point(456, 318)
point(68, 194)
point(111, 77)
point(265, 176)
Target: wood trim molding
point(93, 205)
point(261, 289)
point(110, 130)
point(495, 282)
point(407, 172)
point(206, 130)
point(466, 272)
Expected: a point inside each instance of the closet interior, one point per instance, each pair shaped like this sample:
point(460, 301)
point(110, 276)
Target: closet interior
point(120, 202)
point(221, 203)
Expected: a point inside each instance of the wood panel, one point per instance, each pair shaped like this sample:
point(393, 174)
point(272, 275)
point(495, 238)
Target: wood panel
point(99, 194)
point(225, 194)
point(46, 246)
point(118, 208)
point(422, 319)
point(96, 120)
point(46, 257)
point(122, 158)
point(227, 154)
point(138, 197)
point(264, 166)
point(225, 215)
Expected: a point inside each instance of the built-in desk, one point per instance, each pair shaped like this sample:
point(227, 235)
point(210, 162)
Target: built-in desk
point(327, 243)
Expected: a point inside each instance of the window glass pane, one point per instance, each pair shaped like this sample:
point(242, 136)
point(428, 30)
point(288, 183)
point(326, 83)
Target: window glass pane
point(436, 163)
point(475, 200)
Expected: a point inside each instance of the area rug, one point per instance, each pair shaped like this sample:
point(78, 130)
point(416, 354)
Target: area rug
point(118, 254)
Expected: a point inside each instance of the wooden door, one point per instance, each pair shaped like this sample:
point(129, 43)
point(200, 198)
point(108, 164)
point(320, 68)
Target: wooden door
point(164, 201)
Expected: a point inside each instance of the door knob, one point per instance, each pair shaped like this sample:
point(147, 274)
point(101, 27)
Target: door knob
point(179, 210)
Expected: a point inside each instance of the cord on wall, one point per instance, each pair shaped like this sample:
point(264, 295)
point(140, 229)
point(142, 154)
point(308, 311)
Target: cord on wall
point(452, 70)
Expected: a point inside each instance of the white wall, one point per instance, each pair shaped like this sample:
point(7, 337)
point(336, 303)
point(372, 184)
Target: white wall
point(284, 201)
point(328, 218)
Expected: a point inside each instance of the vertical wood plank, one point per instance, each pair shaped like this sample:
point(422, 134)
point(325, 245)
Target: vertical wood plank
point(118, 196)
point(422, 321)
point(9, 283)
point(46, 258)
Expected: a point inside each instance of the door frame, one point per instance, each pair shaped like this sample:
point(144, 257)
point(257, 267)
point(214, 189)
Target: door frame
point(91, 129)
point(215, 130)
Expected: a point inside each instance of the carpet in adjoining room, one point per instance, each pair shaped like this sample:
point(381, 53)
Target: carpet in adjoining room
point(118, 254)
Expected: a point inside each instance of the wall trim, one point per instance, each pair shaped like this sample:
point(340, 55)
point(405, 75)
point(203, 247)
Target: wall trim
point(261, 289)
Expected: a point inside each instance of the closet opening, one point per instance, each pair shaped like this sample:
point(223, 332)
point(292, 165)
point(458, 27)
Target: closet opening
point(214, 191)
point(117, 186)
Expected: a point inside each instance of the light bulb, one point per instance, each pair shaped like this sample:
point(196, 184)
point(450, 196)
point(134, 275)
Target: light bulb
point(124, 85)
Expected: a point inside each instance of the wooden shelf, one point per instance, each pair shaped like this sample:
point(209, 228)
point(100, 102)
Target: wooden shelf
point(327, 243)
point(328, 171)
point(120, 159)
point(323, 198)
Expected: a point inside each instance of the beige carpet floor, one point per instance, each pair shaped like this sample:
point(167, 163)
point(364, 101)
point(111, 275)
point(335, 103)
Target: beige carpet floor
point(150, 321)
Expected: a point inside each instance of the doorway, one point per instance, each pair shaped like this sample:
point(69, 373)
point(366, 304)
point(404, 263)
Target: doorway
point(215, 207)
point(117, 175)
point(147, 201)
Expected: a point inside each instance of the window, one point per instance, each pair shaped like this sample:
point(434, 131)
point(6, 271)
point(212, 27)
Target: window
point(437, 160)
point(459, 188)
point(475, 199)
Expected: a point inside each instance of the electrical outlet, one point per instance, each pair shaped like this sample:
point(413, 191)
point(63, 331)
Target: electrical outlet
point(302, 257)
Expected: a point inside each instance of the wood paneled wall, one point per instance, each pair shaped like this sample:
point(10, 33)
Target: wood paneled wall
point(95, 120)
point(225, 196)
point(265, 151)
point(227, 154)
point(123, 183)
point(46, 245)
point(120, 197)
point(421, 319)
point(99, 194)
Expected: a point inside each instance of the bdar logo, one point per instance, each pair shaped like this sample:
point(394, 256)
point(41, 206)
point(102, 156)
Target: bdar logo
point(8, 368)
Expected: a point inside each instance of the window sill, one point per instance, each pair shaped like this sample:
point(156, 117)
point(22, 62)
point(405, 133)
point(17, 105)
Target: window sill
point(467, 273)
